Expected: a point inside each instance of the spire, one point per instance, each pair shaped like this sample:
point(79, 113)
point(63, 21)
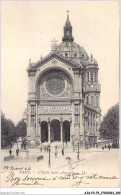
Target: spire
point(91, 55)
point(67, 20)
point(67, 30)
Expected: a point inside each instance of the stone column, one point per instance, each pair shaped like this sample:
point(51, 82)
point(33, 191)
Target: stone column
point(49, 130)
point(40, 131)
point(92, 124)
point(95, 125)
point(37, 120)
point(70, 130)
point(89, 122)
point(61, 129)
point(29, 121)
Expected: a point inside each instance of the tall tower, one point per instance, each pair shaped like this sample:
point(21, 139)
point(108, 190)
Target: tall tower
point(68, 30)
point(92, 101)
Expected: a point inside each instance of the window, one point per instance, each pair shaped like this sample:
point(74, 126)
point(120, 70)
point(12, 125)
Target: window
point(96, 76)
point(88, 118)
point(32, 108)
point(66, 55)
point(93, 120)
point(87, 76)
point(92, 100)
point(91, 76)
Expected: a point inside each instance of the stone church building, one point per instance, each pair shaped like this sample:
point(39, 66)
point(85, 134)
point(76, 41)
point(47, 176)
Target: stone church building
point(64, 94)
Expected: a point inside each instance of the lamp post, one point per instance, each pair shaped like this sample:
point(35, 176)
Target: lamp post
point(63, 148)
point(80, 139)
point(78, 151)
point(49, 163)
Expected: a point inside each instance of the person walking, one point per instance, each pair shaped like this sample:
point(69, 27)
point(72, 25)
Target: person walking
point(109, 147)
point(17, 152)
point(10, 151)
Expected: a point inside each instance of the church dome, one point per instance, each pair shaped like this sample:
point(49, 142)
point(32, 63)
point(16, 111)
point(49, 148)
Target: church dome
point(72, 50)
point(68, 48)
point(92, 61)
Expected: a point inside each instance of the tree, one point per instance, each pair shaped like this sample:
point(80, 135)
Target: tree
point(109, 128)
point(8, 132)
point(21, 129)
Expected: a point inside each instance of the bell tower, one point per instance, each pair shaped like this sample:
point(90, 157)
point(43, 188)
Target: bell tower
point(68, 30)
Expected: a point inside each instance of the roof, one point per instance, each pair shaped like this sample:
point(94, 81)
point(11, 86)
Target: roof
point(70, 62)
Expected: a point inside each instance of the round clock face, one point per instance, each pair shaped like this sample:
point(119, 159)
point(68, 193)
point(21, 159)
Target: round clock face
point(55, 85)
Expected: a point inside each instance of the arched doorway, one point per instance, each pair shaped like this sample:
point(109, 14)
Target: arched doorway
point(66, 131)
point(55, 130)
point(44, 131)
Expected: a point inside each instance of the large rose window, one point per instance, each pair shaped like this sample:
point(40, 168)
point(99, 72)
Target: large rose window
point(55, 85)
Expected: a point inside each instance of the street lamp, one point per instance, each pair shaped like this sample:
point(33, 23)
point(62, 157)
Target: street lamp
point(49, 163)
point(80, 136)
point(78, 151)
point(63, 148)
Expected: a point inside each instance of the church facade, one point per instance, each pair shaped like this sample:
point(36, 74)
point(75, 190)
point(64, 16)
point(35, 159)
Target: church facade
point(64, 94)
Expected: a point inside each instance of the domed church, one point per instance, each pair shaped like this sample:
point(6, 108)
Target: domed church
point(64, 94)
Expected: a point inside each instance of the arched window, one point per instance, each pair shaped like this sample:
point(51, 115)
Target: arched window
point(95, 76)
point(91, 76)
point(87, 76)
point(66, 55)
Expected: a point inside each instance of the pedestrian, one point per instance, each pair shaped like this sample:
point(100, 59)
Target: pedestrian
point(109, 147)
point(47, 148)
point(97, 146)
point(62, 152)
point(10, 151)
point(17, 152)
point(103, 147)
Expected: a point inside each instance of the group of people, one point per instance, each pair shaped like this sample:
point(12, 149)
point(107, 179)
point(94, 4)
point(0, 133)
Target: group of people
point(105, 146)
point(46, 149)
point(17, 152)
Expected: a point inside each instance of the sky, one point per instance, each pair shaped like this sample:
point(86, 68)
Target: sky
point(27, 29)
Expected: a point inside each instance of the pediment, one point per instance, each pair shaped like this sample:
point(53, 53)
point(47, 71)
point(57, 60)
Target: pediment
point(53, 56)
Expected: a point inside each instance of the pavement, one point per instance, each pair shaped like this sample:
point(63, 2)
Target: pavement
point(102, 162)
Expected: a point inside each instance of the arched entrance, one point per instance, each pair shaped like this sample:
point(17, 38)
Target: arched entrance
point(55, 130)
point(66, 131)
point(44, 131)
